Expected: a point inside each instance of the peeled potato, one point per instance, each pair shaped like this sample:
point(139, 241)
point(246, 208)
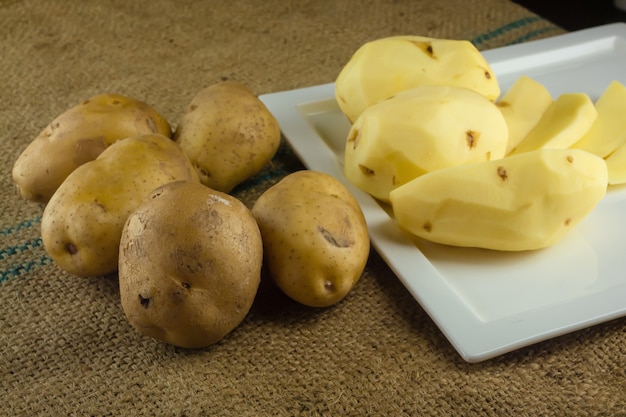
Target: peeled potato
point(616, 165)
point(421, 130)
point(523, 202)
point(608, 131)
point(315, 237)
point(564, 122)
point(189, 265)
point(522, 106)
point(79, 135)
point(386, 66)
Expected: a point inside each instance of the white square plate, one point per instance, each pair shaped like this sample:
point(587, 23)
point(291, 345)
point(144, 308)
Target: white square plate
point(488, 303)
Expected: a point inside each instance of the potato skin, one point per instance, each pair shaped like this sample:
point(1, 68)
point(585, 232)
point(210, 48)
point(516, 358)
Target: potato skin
point(315, 237)
point(82, 223)
point(190, 265)
point(79, 135)
point(228, 134)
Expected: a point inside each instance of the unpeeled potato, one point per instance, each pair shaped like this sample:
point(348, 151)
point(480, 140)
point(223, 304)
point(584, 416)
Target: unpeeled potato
point(82, 223)
point(315, 237)
point(228, 134)
point(79, 135)
point(190, 264)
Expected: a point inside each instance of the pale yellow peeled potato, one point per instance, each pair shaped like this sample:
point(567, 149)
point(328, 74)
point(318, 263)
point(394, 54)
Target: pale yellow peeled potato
point(421, 130)
point(522, 106)
point(563, 123)
point(608, 132)
point(616, 165)
point(386, 66)
point(522, 202)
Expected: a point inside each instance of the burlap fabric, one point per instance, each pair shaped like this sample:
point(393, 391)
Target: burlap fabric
point(65, 346)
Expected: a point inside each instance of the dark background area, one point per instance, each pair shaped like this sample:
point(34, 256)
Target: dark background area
point(576, 14)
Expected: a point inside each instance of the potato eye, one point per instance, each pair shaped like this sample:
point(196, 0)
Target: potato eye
point(502, 173)
point(71, 248)
point(144, 301)
point(368, 172)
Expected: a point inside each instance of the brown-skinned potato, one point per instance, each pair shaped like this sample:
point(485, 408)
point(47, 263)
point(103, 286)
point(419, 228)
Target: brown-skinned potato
point(315, 237)
point(228, 134)
point(83, 221)
point(79, 135)
point(190, 265)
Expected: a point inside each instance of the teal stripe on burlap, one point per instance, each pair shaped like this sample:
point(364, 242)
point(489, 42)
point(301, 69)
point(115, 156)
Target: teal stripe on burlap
point(13, 270)
point(21, 248)
point(515, 25)
point(20, 226)
point(533, 34)
point(23, 268)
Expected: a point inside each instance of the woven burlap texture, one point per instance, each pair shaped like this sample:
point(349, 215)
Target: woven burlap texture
point(65, 346)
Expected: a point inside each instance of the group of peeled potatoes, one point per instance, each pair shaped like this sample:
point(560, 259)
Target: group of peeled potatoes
point(430, 135)
point(125, 193)
point(461, 164)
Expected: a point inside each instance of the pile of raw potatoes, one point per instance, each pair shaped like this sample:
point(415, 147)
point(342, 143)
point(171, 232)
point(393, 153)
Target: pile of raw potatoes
point(124, 193)
point(462, 165)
